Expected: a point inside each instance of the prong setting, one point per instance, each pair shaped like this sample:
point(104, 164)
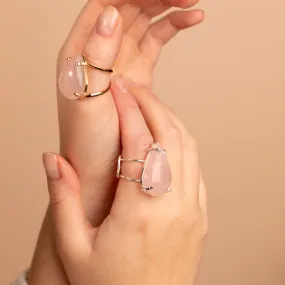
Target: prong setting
point(146, 176)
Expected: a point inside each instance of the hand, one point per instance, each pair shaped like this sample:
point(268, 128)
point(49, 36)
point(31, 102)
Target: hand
point(89, 130)
point(144, 240)
point(142, 42)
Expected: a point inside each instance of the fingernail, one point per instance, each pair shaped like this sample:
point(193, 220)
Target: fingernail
point(123, 84)
point(51, 166)
point(107, 21)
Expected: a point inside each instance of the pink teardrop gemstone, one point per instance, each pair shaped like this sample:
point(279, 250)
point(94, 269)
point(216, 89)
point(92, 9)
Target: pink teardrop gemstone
point(156, 174)
point(72, 78)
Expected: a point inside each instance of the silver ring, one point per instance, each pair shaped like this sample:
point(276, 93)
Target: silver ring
point(147, 180)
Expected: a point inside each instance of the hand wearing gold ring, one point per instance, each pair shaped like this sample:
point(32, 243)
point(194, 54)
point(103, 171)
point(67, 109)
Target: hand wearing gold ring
point(144, 240)
point(130, 44)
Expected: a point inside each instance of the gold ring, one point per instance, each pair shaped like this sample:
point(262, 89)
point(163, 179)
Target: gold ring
point(95, 66)
point(86, 95)
point(75, 75)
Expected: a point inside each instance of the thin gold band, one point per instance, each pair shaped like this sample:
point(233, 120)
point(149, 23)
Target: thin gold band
point(108, 70)
point(96, 94)
point(132, 160)
point(85, 63)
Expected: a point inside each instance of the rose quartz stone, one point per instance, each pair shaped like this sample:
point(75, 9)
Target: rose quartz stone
point(72, 78)
point(156, 173)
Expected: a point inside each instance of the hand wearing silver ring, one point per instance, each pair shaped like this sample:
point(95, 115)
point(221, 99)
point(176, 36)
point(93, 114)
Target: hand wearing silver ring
point(144, 240)
point(155, 178)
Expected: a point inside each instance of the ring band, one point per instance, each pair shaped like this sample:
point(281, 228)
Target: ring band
point(119, 175)
point(75, 75)
point(86, 62)
point(155, 177)
point(85, 95)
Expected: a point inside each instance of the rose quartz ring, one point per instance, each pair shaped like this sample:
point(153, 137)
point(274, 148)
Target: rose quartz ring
point(73, 81)
point(155, 178)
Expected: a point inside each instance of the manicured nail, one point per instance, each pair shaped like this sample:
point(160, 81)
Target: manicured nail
point(107, 21)
point(51, 166)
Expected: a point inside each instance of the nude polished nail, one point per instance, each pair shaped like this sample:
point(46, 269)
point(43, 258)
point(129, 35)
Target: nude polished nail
point(107, 21)
point(51, 166)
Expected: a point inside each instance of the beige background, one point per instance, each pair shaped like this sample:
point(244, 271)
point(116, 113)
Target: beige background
point(231, 93)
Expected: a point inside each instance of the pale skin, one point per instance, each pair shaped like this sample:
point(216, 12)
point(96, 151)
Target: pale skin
point(89, 130)
point(144, 240)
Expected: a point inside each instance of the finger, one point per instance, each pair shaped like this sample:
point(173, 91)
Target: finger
point(140, 25)
point(164, 130)
point(191, 160)
point(203, 206)
point(174, 3)
point(129, 13)
point(157, 118)
point(203, 196)
point(86, 20)
point(135, 135)
point(103, 47)
point(68, 216)
point(162, 31)
point(81, 29)
point(136, 17)
point(190, 157)
point(181, 3)
point(83, 26)
point(131, 203)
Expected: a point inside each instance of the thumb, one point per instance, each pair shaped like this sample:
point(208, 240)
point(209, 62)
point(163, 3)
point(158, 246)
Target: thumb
point(103, 46)
point(68, 216)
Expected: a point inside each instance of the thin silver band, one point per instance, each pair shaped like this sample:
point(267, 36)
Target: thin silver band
point(130, 179)
point(132, 160)
point(119, 175)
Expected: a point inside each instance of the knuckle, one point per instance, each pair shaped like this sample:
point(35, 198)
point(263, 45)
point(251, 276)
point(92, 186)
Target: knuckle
point(202, 227)
point(67, 253)
point(142, 219)
point(194, 219)
point(145, 140)
point(98, 54)
point(174, 133)
point(198, 224)
point(205, 229)
point(176, 215)
point(58, 197)
point(191, 144)
point(191, 224)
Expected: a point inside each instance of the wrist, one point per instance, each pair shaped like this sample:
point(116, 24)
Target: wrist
point(46, 267)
